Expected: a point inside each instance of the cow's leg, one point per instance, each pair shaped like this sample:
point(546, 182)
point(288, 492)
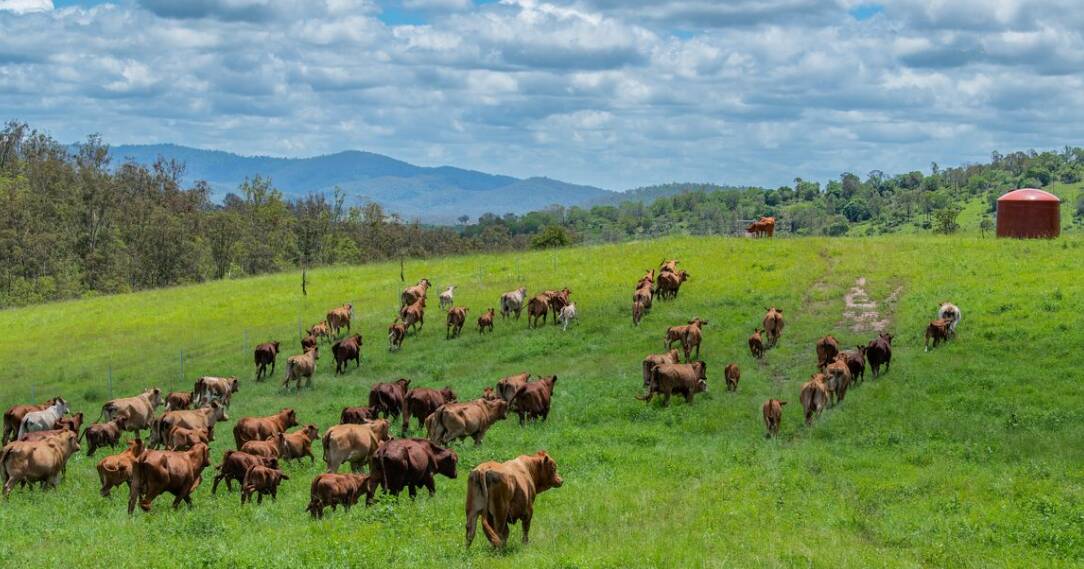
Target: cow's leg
point(259, 498)
point(522, 417)
point(666, 398)
point(527, 523)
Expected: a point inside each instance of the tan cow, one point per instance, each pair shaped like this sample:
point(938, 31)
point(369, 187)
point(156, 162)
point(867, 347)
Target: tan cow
point(415, 293)
point(396, 335)
point(838, 374)
point(353, 443)
point(36, 461)
point(339, 318)
point(202, 418)
point(139, 409)
point(455, 421)
point(508, 386)
point(693, 336)
point(773, 416)
point(301, 367)
point(504, 493)
point(116, 469)
point(208, 389)
point(827, 350)
point(814, 397)
point(773, 326)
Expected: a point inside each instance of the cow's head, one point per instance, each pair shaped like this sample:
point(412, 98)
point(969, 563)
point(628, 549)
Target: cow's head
point(403, 383)
point(380, 429)
point(499, 408)
point(201, 454)
point(289, 417)
point(548, 472)
point(489, 394)
point(446, 461)
point(276, 344)
point(448, 395)
point(154, 395)
point(235, 385)
point(218, 411)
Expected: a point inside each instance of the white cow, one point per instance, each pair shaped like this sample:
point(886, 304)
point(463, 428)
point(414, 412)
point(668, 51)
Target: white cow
point(568, 314)
point(950, 312)
point(43, 420)
point(512, 302)
point(447, 298)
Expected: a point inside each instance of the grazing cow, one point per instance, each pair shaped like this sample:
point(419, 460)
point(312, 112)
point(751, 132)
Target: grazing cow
point(396, 334)
point(178, 400)
point(356, 415)
point(414, 315)
point(756, 344)
point(346, 350)
point(827, 350)
point(856, 361)
point(202, 418)
point(733, 376)
point(387, 399)
point(685, 379)
point(263, 428)
point(814, 397)
point(23, 462)
point(234, 466)
point(321, 330)
point(951, 313)
point(308, 343)
point(537, 308)
point(139, 409)
point(653, 360)
point(45, 419)
point(158, 471)
point(301, 368)
point(447, 298)
point(558, 300)
point(512, 302)
point(339, 318)
point(637, 312)
point(116, 469)
point(456, 318)
point(104, 434)
point(764, 227)
point(420, 402)
point(508, 386)
point(268, 448)
point(331, 489)
point(568, 314)
point(456, 421)
point(183, 438)
point(532, 400)
point(773, 326)
point(261, 480)
point(266, 354)
point(839, 378)
point(670, 283)
point(208, 389)
point(297, 445)
point(504, 493)
point(353, 443)
point(879, 352)
point(14, 416)
point(415, 293)
point(486, 321)
point(937, 330)
point(411, 464)
point(773, 416)
point(693, 336)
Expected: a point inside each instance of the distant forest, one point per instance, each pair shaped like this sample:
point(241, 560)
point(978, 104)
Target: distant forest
point(72, 224)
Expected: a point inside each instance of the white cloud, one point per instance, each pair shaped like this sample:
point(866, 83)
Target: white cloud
point(26, 6)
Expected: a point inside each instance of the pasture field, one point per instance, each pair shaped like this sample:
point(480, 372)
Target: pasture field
point(971, 455)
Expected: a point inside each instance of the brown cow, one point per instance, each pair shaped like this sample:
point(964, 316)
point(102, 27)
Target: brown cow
point(420, 402)
point(208, 389)
point(321, 330)
point(263, 428)
point(308, 343)
point(412, 463)
point(37, 461)
point(764, 227)
point(879, 352)
point(339, 318)
point(14, 416)
point(415, 293)
point(839, 378)
point(693, 337)
point(653, 360)
point(457, 316)
point(856, 361)
point(685, 379)
point(331, 489)
point(644, 295)
point(353, 443)
point(414, 316)
point(268, 448)
point(827, 350)
point(532, 400)
point(116, 469)
point(733, 376)
point(773, 416)
point(104, 434)
point(674, 334)
point(178, 400)
point(387, 399)
point(139, 409)
point(183, 438)
point(345, 350)
point(159, 471)
point(773, 326)
point(558, 299)
point(486, 321)
point(234, 466)
point(356, 415)
point(456, 421)
point(537, 308)
point(938, 331)
point(508, 386)
point(504, 493)
point(71, 423)
point(261, 480)
point(297, 445)
point(756, 344)
point(668, 266)
point(670, 283)
point(266, 354)
point(814, 397)
point(396, 334)
point(202, 418)
point(301, 367)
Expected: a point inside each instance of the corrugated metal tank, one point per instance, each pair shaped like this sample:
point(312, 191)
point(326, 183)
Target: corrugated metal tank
point(1028, 213)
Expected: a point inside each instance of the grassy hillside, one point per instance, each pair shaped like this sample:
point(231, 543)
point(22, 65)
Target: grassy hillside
point(968, 456)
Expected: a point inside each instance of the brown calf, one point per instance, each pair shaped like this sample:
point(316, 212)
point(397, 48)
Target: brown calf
point(733, 376)
point(773, 416)
point(261, 480)
point(486, 321)
point(756, 344)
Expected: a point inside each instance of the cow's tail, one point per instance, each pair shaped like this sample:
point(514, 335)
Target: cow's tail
point(324, 444)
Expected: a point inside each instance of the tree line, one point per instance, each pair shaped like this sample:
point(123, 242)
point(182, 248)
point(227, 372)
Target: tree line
point(74, 224)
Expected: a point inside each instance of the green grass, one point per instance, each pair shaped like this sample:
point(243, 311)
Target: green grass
point(968, 456)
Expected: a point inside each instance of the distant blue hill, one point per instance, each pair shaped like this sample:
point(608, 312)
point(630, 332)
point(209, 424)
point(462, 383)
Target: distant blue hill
point(435, 195)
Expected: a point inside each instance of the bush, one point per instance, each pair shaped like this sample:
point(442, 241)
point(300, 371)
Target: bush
point(551, 236)
point(945, 220)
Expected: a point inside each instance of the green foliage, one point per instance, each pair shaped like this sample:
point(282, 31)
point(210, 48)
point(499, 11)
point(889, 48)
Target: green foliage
point(945, 220)
point(550, 237)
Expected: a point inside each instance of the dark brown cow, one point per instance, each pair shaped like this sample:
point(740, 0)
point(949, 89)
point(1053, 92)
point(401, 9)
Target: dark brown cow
point(733, 376)
point(827, 350)
point(856, 361)
point(333, 489)
point(346, 350)
point(532, 400)
point(558, 299)
point(485, 321)
point(158, 471)
point(263, 428)
point(879, 352)
point(297, 445)
point(356, 415)
point(653, 360)
point(261, 480)
point(411, 464)
point(308, 343)
point(420, 402)
point(14, 416)
point(266, 354)
point(537, 308)
point(234, 466)
point(773, 416)
point(104, 434)
point(387, 399)
point(457, 316)
point(116, 469)
point(938, 331)
point(684, 379)
point(396, 334)
point(756, 344)
point(178, 400)
point(504, 493)
point(773, 326)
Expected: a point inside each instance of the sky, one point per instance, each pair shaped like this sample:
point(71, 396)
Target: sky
point(613, 93)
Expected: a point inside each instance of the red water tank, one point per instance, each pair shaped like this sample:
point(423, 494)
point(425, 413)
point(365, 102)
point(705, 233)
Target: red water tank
point(1028, 213)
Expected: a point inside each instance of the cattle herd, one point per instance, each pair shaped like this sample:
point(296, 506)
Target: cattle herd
point(39, 439)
